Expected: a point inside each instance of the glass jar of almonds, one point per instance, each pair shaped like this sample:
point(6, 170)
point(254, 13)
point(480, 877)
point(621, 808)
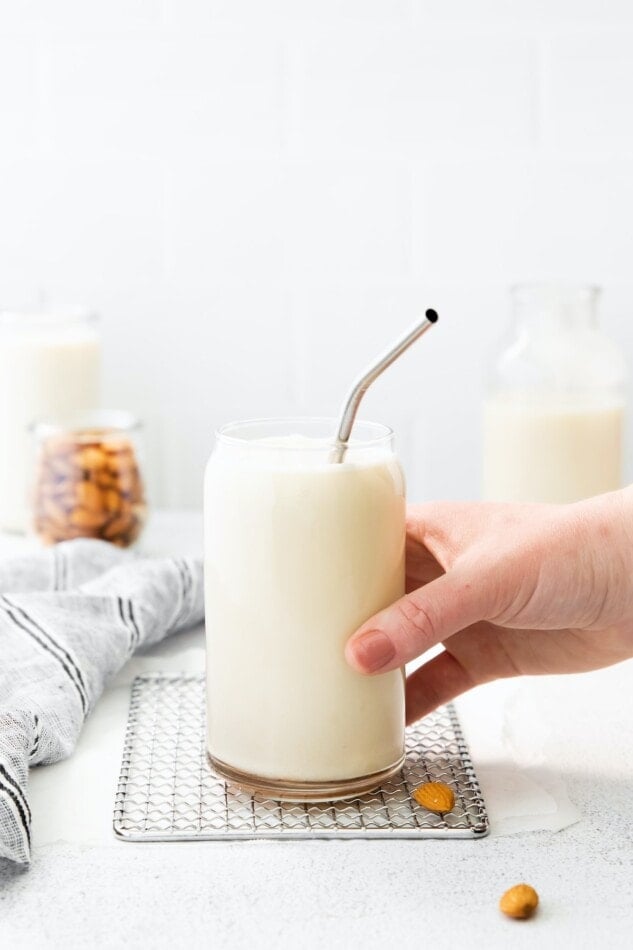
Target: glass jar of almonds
point(87, 479)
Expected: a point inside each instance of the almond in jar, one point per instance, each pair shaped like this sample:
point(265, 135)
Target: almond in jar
point(87, 480)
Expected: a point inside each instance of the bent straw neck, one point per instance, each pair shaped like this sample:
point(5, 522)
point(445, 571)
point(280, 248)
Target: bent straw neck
point(364, 381)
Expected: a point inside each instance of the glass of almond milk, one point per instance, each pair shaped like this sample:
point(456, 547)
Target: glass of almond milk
point(299, 552)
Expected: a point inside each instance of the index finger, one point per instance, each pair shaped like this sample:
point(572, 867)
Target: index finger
point(417, 622)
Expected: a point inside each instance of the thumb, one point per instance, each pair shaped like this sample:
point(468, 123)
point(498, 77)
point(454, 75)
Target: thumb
point(417, 622)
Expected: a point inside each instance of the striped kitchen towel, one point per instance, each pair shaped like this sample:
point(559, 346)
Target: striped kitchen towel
point(70, 617)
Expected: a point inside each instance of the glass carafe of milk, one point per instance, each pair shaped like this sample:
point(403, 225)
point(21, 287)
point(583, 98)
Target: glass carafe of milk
point(554, 413)
point(49, 366)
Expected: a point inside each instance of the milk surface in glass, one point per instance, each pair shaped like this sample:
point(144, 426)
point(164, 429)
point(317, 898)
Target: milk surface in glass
point(49, 366)
point(299, 551)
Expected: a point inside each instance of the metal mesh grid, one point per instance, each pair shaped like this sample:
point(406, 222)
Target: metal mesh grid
point(168, 791)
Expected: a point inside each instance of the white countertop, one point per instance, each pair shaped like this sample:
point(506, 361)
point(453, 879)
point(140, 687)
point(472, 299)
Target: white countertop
point(555, 759)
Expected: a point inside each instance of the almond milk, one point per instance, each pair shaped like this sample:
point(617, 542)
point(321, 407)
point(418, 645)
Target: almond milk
point(299, 553)
point(551, 452)
point(49, 366)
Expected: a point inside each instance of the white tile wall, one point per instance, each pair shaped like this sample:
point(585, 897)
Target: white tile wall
point(226, 354)
point(102, 93)
point(201, 12)
point(541, 13)
point(223, 223)
point(589, 83)
point(526, 218)
point(399, 89)
point(259, 196)
point(75, 230)
point(346, 221)
point(64, 16)
point(19, 94)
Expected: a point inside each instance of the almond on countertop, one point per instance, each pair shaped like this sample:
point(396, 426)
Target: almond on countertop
point(519, 901)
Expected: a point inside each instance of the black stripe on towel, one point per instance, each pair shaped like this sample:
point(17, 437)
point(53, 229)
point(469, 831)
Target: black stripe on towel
point(126, 623)
point(188, 582)
point(16, 801)
point(137, 632)
point(47, 647)
point(36, 742)
point(53, 642)
point(9, 780)
point(185, 584)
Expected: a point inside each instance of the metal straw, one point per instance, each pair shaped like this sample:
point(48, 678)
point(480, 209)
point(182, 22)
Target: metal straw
point(364, 381)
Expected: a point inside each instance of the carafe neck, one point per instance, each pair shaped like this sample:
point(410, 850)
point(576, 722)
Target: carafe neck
point(550, 308)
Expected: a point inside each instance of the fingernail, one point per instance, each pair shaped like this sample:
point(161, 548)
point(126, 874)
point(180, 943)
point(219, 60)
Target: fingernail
point(373, 650)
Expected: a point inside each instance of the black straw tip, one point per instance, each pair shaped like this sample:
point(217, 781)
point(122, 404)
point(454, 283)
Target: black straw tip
point(432, 316)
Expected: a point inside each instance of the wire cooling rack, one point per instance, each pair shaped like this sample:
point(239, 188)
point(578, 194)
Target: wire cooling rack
point(168, 791)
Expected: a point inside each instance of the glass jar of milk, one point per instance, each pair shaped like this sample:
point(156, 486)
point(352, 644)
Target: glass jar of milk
point(299, 551)
point(49, 366)
point(554, 415)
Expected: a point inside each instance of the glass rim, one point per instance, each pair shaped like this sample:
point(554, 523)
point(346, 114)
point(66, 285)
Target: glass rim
point(23, 318)
point(83, 422)
point(224, 435)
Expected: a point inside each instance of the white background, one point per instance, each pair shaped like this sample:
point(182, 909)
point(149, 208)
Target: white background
point(257, 196)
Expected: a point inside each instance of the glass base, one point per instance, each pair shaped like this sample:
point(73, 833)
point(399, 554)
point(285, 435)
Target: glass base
point(289, 790)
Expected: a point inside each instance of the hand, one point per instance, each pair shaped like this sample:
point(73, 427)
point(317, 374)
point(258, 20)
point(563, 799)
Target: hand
point(508, 590)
